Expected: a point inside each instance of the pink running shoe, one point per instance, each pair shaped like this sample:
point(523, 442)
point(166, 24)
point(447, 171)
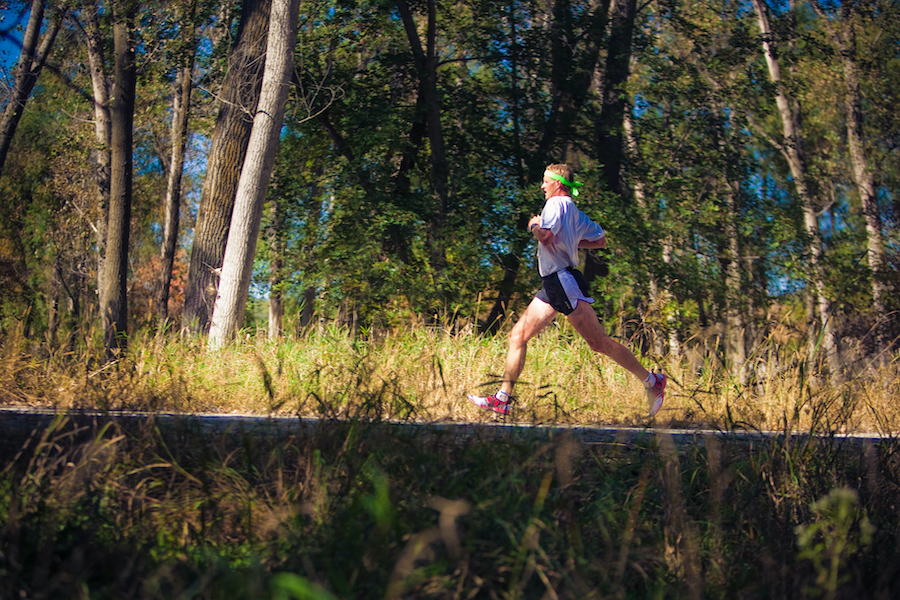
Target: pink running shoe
point(656, 393)
point(490, 403)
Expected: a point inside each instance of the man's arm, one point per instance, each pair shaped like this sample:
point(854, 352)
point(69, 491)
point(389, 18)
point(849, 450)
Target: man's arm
point(544, 236)
point(596, 244)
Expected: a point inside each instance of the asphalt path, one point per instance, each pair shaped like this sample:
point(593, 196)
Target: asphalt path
point(17, 424)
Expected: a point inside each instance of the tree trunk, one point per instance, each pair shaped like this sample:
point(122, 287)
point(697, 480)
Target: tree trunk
point(845, 41)
point(792, 149)
point(113, 301)
point(276, 304)
point(230, 306)
point(276, 231)
point(657, 341)
point(572, 74)
point(181, 102)
point(610, 146)
point(429, 102)
point(308, 309)
point(735, 325)
point(31, 61)
point(102, 155)
point(735, 307)
point(53, 319)
point(671, 322)
point(181, 109)
point(240, 94)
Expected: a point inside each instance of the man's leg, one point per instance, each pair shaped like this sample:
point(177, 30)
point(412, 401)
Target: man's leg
point(537, 316)
point(586, 323)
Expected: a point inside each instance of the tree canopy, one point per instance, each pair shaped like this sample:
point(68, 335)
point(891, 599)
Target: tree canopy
point(413, 142)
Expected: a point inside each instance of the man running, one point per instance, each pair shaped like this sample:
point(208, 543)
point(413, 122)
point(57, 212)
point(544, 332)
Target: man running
point(561, 229)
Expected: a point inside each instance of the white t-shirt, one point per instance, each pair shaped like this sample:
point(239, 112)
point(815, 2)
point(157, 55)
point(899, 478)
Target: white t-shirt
point(569, 226)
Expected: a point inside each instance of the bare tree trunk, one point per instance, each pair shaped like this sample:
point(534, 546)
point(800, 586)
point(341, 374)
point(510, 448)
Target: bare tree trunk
point(31, 61)
point(276, 269)
point(240, 94)
point(102, 156)
point(308, 310)
point(237, 266)
point(53, 308)
point(610, 143)
point(734, 309)
point(276, 305)
point(426, 61)
point(113, 301)
point(657, 340)
point(313, 216)
point(792, 149)
point(674, 338)
point(181, 104)
point(844, 38)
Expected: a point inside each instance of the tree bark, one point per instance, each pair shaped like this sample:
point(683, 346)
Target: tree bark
point(181, 104)
point(276, 269)
point(237, 266)
point(102, 155)
point(792, 149)
point(113, 301)
point(658, 341)
point(429, 103)
point(240, 94)
point(844, 38)
point(610, 145)
point(172, 205)
point(31, 61)
point(735, 325)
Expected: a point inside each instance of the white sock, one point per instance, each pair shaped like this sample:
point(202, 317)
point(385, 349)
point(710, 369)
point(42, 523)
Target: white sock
point(503, 398)
point(650, 381)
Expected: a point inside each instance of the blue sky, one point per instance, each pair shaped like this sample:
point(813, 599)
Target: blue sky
point(13, 20)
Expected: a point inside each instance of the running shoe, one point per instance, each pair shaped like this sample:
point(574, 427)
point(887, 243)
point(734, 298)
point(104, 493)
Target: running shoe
point(490, 403)
point(656, 393)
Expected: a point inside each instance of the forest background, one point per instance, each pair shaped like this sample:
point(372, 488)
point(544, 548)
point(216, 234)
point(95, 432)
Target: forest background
point(743, 158)
point(319, 209)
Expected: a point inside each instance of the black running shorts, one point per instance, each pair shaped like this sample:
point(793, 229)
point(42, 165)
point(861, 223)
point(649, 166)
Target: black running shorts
point(562, 290)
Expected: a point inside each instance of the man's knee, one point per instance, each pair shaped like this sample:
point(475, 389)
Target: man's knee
point(600, 343)
point(517, 336)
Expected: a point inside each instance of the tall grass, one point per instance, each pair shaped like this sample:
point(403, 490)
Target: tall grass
point(360, 504)
point(364, 509)
point(424, 374)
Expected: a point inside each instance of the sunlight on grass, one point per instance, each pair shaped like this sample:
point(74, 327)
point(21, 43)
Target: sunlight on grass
point(353, 505)
point(424, 374)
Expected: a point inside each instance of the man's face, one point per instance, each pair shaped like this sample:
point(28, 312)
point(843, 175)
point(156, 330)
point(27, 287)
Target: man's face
point(551, 187)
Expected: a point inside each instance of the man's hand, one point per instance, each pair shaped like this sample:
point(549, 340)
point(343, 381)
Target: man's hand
point(544, 236)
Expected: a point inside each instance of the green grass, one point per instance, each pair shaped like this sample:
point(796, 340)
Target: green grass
point(363, 509)
point(361, 506)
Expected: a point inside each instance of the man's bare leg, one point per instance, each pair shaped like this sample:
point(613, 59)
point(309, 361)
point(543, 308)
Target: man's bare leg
point(535, 318)
point(586, 323)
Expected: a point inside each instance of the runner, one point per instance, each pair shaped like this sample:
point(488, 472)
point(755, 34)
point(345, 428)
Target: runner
point(561, 229)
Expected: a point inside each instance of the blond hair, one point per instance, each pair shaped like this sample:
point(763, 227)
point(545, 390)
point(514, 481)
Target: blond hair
point(564, 171)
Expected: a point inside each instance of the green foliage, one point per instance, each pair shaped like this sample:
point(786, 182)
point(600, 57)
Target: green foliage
point(388, 217)
point(838, 532)
point(371, 510)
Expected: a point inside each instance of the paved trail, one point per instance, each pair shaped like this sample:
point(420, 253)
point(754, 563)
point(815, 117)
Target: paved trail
point(17, 424)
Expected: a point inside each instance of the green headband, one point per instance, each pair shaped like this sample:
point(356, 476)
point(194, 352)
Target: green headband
point(572, 185)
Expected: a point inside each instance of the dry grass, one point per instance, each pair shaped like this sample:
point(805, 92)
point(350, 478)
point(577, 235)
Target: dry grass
point(351, 508)
point(424, 374)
